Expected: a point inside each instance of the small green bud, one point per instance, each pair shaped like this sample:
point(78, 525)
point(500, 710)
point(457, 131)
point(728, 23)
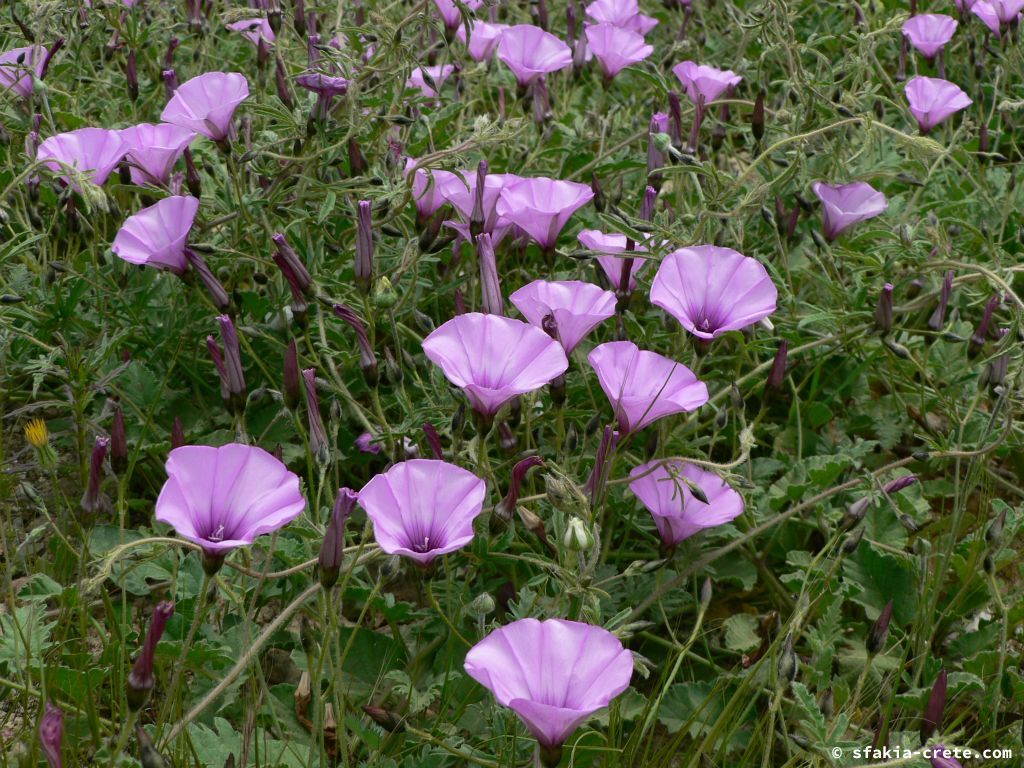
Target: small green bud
point(578, 537)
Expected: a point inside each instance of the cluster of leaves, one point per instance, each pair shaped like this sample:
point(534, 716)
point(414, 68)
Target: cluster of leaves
point(774, 670)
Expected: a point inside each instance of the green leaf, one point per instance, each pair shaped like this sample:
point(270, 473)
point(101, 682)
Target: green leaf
point(741, 633)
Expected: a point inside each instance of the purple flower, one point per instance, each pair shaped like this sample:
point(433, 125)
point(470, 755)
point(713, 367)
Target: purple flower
point(494, 358)
point(712, 290)
point(616, 47)
point(933, 100)
point(577, 307)
point(941, 757)
point(705, 82)
point(554, 674)
point(613, 243)
point(541, 206)
point(621, 13)
point(844, 205)
point(93, 152)
point(450, 12)
point(929, 32)
point(17, 68)
point(530, 52)
point(152, 151)
point(365, 443)
point(222, 498)
point(490, 285)
point(461, 192)
point(206, 104)
point(423, 508)
point(92, 501)
point(254, 30)
point(644, 386)
point(438, 74)
point(1007, 11)
point(156, 236)
point(483, 38)
point(140, 680)
point(430, 188)
point(676, 511)
point(327, 86)
point(51, 734)
point(989, 14)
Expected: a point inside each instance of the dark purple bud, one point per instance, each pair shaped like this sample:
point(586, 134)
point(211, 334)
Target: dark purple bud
point(170, 83)
point(980, 334)
point(273, 8)
point(140, 680)
point(234, 376)
point(698, 119)
point(51, 735)
point(777, 375)
point(477, 218)
point(218, 295)
point(655, 157)
point(92, 500)
point(492, 302)
point(880, 632)
point(300, 17)
point(675, 120)
point(938, 318)
point(757, 118)
point(570, 23)
point(883, 312)
point(433, 440)
point(284, 93)
point(292, 392)
point(897, 485)
point(357, 164)
point(367, 359)
point(195, 14)
point(178, 430)
point(941, 757)
point(44, 67)
point(262, 52)
point(291, 265)
point(901, 67)
point(549, 325)
point(983, 142)
point(172, 44)
point(364, 246)
point(595, 483)
point(132, 75)
point(647, 206)
point(541, 101)
point(579, 54)
point(192, 178)
point(540, 8)
point(934, 709)
point(599, 198)
point(999, 366)
point(318, 444)
point(313, 50)
point(118, 442)
point(332, 549)
point(504, 508)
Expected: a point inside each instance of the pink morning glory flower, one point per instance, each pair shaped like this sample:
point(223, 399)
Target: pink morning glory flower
point(844, 205)
point(254, 30)
point(612, 243)
point(644, 386)
point(438, 74)
point(450, 12)
point(483, 38)
point(676, 512)
point(933, 100)
point(554, 674)
point(153, 150)
point(987, 12)
point(17, 67)
point(431, 188)
point(621, 13)
point(616, 47)
point(156, 236)
point(94, 152)
point(576, 307)
point(461, 193)
point(541, 206)
point(423, 508)
point(929, 32)
point(207, 103)
point(712, 290)
point(223, 498)
point(702, 81)
point(1006, 11)
point(494, 358)
point(530, 52)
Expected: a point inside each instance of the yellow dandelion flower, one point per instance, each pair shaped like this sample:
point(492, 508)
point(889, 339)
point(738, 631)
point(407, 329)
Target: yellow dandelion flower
point(36, 433)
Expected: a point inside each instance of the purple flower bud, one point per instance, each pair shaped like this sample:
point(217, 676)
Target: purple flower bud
point(880, 632)
point(48, 57)
point(504, 508)
point(357, 164)
point(490, 287)
point(579, 54)
point(655, 157)
point(901, 67)
point(51, 735)
point(300, 16)
point(757, 118)
point(595, 483)
point(318, 444)
point(213, 349)
point(883, 311)
point(978, 338)
point(233, 374)
point(570, 23)
point(140, 681)
point(332, 549)
point(434, 440)
point(170, 82)
point(92, 500)
point(172, 44)
point(598, 199)
point(999, 365)
point(291, 264)
point(647, 206)
point(943, 758)
point(938, 318)
point(292, 393)
point(132, 76)
point(894, 486)
point(367, 359)
point(218, 295)
point(365, 444)
point(284, 93)
point(541, 101)
point(675, 120)
point(777, 375)
point(178, 431)
point(934, 709)
point(195, 14)
point(478, 217)
point(118, 442)
point(364, 246)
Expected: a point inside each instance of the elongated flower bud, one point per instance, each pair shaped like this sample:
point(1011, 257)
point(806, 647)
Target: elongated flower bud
point(218, 295)
point(599, 199)
point(434, 440)
point(300, 17)
point(777, 375)
point(291, 391)
point(649, 201)
point(318, 444)
point(934, 709)
point(170, 82)
point(291, 263)
point(92, 500)
point(894, 486)
point(880, 632)
point(477, 217)
point(177, 433)
point(332, 550)
point(172, 46)
point(51, 735)
point(218, 362)
point(284, 93)
point(132, 76)
point(980, 334)
point(570, 23)
point(938, 318)
point(367, 359)
point(757, 118)
point(595, 483)
point(233, 373)
point(675, 120)
point(140, 680)
point(118, 442)
point(192, 177)
point(357, 164)
point(490, 287)
point(655, 157)
point(504, 508)
point(364, 246)
point(789, 664)
point(883, 312)
point(44, 67)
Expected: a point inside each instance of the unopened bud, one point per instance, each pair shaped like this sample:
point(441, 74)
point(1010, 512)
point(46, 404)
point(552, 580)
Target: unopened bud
point(880, 631)
point(578, 537)
point(332, 548)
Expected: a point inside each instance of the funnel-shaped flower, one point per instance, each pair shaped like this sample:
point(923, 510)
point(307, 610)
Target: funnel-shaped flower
point(429, 79)
point(431, 188)
point(450, 11)
point(702, 81)
point(423, 508)
point(621, 13)
point(494, 358)
point(154, 149)
point(713, 290)
point(94, 152)
point(554, 674)
point(541, 207)
point(254, 30)
point(222, 498)
point(156, 236)
point(17, 67)
point(616, 47)
point(1005, 12)
point(987, 12)
point(676, 511)
point(933, 100)
point(461, 193)
point(530, 52)
point(644, 386)
point(612, 243)
point(929, 32)
point(577, 307)
point(483, 39)
point(844, 205)
point(206, 104)
point(51, 734)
